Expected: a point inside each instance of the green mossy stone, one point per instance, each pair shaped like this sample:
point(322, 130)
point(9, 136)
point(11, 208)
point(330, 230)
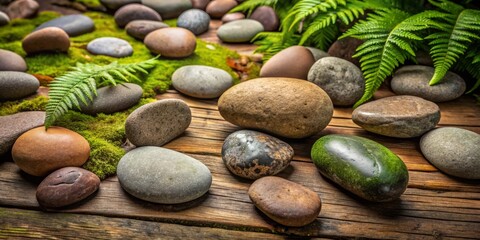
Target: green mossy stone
point(362, 166)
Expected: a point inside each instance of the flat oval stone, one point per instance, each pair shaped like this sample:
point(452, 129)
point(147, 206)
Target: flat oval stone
point(292, 62)
point(116, 4)
point(23, 9)
point(361, 166)
point(250, 154)
point(162, 175)
point(453, 150)
point(218, 8)
point(10, 61)
point(201, 81)
point(113, 99)
point(39, 152)
point(135, 11)
point(4, 19)
point(195, 20)
point(66, 186)
point(398, 116)
point(414, 80)
point(317, 53)
point(341, 79)
point(286, 107)
point(12, 126)
point(50, 39)
point(73, 25)
point(239, 31)
point(267, 16)
point(200, 4)
point(171, 42)
point(230, 17)
point(157, 123)
point(141, 28)
point(285, 202)
point(168, 8)
point(16, 85)
point(110, 46)
point(345, 48)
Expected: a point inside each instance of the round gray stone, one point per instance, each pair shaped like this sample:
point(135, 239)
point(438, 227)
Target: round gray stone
point(4, 19)
point(453, 150)
point(242, 30)
point(317, 53)
point(16, 85)
point(163, 176)
point(12, 126)
point(112, 99)
point(110, 46)
point(195, 20)
point(341, 79)
point(10, 61)
point(414, 80)
point(157, 123)
point(201, 81)
point(73, 25)
point(116, 4)
point(169, 8)
point(139, 29)
point(135, 11)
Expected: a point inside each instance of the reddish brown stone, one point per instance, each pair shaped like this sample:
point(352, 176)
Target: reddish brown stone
point(292, 62)
point(267, 17)
point(171, 42)
point(200, 4)
point(218, 8)
point(50, 39)
point(232, 17)
point(135, 11)
point(23, 9)
point(345, 48)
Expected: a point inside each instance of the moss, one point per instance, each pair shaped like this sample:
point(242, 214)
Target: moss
point(11, 107)
point(89, 3)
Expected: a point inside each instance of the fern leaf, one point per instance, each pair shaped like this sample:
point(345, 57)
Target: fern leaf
point(250, 5)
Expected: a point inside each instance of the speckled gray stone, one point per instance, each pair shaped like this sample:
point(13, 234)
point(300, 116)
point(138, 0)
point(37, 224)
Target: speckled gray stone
point(110, 46)
point(10, 61)
point(168, 8)
point(201, 81)
point(163, 176)
point(135, 11)
point(139, 29)
point(12, 126)
point(116, 4)
point(414, 80)
point(242, 30)
point(341, 79)
point(4, 19)
point(195, 20)
point(454, 151)
point(114, 99)
point(157, 123)
point(317, 53)
point(16, 85)
point(73, 25)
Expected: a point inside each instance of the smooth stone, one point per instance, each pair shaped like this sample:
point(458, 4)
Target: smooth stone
point(135, 11)
point(453, 150)
point(414, 80)
point(39, 152)
point(22, 9)
point(345, 48)
point(398, 116)
point(195, 20)
point(113, 99)
point(250, 154)
point(157, 123)
point(110, 46)
point(230, 17)
point(361, 166)
point(317, 53)
point(201, 81)
point(171, 42)
point(200, 4)
point(50, 39)
point(66, 186)
point(239, 31)
point(218, 8)
point(341, 79)
point(163, 176)
point(286, 107)
point(267, 16)
point(116, 4)
point(168, 8)
point(12, 126)
point(292, 62)
point(285, 202)
point(10, 61)
point(4, 19)
point(141, 28)
point(16, 85)
point(73, 25)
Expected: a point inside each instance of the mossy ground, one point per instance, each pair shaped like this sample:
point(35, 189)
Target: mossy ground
point(105, 133)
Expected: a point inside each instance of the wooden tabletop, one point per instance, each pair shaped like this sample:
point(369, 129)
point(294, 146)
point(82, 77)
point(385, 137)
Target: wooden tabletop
point(434, 206)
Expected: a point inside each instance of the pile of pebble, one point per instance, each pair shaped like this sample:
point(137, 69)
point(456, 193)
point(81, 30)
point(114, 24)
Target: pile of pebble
point(294, 98)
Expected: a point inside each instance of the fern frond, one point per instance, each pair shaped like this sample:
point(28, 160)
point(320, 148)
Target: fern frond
point(80, 85)
point(270, 43)
point(389, 36)
point(250, 5)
